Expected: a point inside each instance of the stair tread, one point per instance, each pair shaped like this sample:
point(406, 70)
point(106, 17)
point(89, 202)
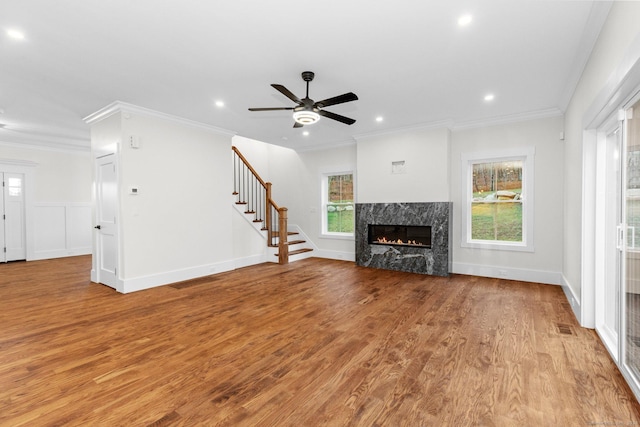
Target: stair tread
point(289, 233)
point(298, 251)
point(295, 242)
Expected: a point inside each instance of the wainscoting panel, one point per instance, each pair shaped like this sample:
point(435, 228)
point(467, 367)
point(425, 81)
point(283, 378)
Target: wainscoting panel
point(62, 229)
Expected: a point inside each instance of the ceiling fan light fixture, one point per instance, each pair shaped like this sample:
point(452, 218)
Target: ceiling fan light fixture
point(306, 117)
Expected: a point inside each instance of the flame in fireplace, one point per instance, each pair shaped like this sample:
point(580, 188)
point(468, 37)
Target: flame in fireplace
point(384, 240)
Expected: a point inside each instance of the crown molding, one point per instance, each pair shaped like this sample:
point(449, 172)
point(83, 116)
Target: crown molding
point(339, 144)
point(597, 17)
point(125, 108)
point(470, 124)
point(16, 162)
point(510, 118)
point(48, 145)
point(423, 126)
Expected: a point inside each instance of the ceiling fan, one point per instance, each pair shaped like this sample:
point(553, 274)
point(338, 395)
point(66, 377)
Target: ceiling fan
point(308, 112)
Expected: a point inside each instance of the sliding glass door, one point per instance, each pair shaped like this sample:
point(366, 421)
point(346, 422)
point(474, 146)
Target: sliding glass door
point(631, 254)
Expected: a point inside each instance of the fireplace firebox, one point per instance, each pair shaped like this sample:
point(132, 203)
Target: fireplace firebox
point(400, 235)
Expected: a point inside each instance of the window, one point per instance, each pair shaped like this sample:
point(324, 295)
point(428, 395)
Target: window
point(498, 200)
point(338, 218)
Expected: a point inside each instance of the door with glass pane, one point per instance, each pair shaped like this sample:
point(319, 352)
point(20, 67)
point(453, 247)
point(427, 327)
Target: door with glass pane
point(609, 236)
point(12, 213)
point(631, 261)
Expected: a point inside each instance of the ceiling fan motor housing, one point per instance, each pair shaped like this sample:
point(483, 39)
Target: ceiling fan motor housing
point(307, 111)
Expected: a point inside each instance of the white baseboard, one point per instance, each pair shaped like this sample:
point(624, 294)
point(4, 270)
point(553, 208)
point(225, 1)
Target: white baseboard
point(250, 260)
point(59, 253)
point(344, 256)
point(167, 277)
point(574, 301)
point(524, 275)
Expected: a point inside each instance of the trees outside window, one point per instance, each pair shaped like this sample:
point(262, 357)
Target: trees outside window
point(338, 204)
point(498, 200)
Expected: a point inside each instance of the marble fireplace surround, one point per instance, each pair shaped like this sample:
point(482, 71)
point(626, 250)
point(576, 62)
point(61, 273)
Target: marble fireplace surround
point(433, 261)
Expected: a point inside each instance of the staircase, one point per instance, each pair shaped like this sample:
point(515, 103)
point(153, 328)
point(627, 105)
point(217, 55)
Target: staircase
point(253, 198)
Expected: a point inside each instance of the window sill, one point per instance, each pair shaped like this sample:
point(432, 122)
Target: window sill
point(499, 246)
point(337, 236)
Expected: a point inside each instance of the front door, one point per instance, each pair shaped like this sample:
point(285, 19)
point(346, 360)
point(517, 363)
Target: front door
point(12, 212)
point(106, 228)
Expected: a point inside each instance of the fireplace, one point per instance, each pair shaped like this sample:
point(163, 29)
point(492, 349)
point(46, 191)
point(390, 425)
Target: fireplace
point(400, 235)
point(411, 237)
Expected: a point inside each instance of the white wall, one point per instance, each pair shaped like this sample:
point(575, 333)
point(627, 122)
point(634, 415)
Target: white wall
point(620, 33)
point(59, 222)
point(179, 225)
point(545, 263)
point(426, 156)
point(181, 217)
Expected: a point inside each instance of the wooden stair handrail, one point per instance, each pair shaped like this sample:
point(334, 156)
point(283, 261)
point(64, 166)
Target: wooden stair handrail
point(283, 246)
point(246, 162)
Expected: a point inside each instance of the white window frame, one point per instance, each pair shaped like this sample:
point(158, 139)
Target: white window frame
point(324, 202)
point(524, 154)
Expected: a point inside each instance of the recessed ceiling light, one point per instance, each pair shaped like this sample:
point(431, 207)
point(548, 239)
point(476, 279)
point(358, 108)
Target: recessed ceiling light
point(379, 119)
point(219, 104)
point(15, 34)
point(489, 97)
point(465, 20)
point(305, 133)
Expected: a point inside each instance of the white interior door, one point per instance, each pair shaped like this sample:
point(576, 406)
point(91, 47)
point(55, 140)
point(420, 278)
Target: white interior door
point(106, 212)
point(12, 212)
point(14, 217)
point(3, 217)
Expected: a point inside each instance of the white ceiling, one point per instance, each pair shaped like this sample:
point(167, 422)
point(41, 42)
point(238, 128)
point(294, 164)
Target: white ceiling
point(407, 61)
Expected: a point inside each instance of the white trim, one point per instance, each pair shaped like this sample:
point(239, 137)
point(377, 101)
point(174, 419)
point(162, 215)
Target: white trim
point(249, 260)
point(420, 126)
point(169, 277)
point(337, 255)
point(507, 119)
point(597, 17)
point(124, 108)
point(325, 174)
point(306, 149)
point(620, 87)
point(573, 300)
point(67, 250)
point(52, 144)
point(9, 163)
point(27, 168)
point(527, 155)
point(508, 273)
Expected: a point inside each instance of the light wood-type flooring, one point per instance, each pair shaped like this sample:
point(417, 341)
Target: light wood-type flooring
point(313, 343)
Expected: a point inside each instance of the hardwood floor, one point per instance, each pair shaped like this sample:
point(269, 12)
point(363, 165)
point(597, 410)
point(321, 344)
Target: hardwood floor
point(316, 342)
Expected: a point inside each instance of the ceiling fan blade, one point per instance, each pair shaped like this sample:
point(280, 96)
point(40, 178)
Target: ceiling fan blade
point(345, 97)
point(271, 109)
point(297, 125)
point(338, 117)
point(286, 92)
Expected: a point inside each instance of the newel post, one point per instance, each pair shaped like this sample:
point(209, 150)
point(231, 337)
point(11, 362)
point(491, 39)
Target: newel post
point(268, 211)
point(283, 246)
